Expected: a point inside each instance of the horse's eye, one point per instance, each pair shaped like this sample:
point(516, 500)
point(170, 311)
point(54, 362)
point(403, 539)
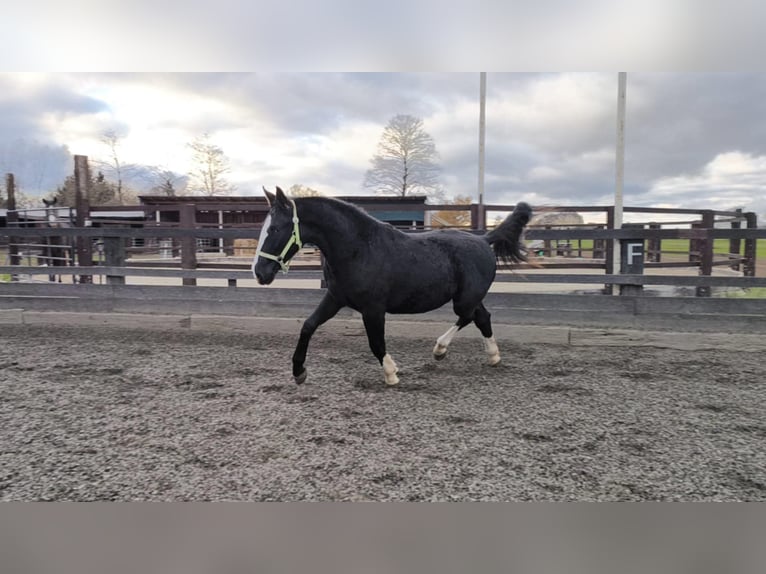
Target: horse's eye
point(273, 229)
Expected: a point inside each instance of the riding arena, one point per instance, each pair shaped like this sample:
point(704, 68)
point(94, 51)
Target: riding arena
point(347, 359)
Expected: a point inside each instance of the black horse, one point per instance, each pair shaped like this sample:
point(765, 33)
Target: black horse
point(376, 269)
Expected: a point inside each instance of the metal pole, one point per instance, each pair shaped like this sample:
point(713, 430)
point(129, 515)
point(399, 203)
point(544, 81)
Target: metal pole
point(482, 130)
point(620, 165)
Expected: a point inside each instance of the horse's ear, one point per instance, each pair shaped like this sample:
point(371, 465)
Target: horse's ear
point(282, 198)
point(270, 197)
point(48, 203)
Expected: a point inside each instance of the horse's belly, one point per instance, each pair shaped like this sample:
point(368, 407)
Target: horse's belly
point(420, 298)
point(418, 304)
point(400, 303)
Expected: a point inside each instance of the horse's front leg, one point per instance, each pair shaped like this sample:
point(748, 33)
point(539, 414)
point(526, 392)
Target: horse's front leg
point(327, 309)
point(375, 325)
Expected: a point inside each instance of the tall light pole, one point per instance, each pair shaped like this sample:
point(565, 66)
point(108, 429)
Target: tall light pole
point(482, 130)
point(619, 166)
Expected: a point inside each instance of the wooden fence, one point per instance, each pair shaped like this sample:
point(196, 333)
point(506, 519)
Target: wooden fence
point(110, 253)
point(113, 243)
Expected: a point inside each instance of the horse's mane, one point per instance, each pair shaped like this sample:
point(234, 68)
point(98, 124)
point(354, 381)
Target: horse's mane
point(349, 209)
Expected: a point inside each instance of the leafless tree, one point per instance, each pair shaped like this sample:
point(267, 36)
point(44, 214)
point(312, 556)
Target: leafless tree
point(113, 167)
point(210, 168)
point(166, 182)
point(406, 160)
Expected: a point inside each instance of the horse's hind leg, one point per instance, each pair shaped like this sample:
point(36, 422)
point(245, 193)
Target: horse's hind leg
point(443, 342)
point(327, 309)
point(482, 319)
point(375, 325)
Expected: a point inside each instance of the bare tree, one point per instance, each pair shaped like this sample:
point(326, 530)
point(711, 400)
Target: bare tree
point(406, 160)
point(166, 182)
point(113, 166)
point(210, 168)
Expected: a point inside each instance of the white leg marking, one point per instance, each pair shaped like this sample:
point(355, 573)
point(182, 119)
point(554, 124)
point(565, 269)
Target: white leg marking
point(389, 370)
point(493, 353)
point(444, 341)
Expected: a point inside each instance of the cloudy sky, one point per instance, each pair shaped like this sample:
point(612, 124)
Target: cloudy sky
point(692, 140)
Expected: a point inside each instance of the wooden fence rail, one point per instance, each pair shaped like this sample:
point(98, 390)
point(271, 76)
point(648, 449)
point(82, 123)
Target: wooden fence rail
point(115, 266)
point(117, 275)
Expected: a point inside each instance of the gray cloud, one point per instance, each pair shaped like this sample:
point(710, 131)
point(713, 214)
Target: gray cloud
point(550, 137)
point(25, 101)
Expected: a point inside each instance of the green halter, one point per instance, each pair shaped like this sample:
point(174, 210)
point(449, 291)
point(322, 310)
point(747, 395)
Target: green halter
point(295, 239)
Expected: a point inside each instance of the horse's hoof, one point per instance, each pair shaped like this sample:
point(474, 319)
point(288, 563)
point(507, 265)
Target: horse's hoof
point(392, 380)
point(440, 357)
point(300, 379)
point(494, 361)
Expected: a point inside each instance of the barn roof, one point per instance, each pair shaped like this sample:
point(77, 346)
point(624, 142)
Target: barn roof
point(168, 200)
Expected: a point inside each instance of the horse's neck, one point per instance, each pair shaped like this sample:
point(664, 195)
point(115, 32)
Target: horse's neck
point(334, 228)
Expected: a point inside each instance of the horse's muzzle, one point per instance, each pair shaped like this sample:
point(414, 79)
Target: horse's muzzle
point(264, 273)
point(264, 278)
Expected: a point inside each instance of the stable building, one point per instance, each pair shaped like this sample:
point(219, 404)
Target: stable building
point(250, 211)
point(408, 212)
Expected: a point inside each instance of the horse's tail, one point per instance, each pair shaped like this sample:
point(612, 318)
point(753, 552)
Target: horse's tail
point(505, 239)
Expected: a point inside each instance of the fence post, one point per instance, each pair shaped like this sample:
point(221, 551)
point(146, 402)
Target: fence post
point(598, 246)
point(547, 244)
point(82, 206)
point(735, 245)
point(12, 219)
point(705, 247)
point(654, 245)
point(482, 213)
point(114, 256)
point(187, 218)
point(475, 216)
point(695, 247)
point(748, 268)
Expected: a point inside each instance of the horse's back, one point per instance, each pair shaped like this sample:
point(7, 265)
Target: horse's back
point(462, 248)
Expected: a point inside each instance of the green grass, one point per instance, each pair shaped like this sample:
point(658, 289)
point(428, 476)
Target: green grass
point(720, 246)
point(752, 293)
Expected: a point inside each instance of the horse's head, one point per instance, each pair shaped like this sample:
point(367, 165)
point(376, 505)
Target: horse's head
point(279, 240)
point(50, 212)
